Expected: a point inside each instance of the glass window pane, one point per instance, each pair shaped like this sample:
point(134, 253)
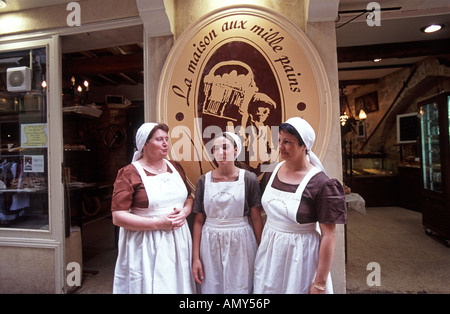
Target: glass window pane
point(431, 160)
point(23, 140)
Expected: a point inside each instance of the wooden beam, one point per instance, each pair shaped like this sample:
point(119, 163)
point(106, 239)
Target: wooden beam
point(343, 83)
point(106, 65)
point(128, 78)
point(375, 67)
point(394, 50)
point(103, 77)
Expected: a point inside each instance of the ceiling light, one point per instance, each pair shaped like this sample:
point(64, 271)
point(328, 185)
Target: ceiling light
point(432, 28)
point(2, 4)
point(377, 60)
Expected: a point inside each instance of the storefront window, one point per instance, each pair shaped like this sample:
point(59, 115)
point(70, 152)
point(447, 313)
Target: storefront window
point(23, 140)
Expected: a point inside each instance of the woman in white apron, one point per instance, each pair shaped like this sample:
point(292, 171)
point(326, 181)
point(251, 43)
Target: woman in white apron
point(302, 206)
point(150, 204)
point(224, 243)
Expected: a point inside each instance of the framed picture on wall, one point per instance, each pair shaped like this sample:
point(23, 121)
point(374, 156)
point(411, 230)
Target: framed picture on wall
point(408, 128)
point(368, 102)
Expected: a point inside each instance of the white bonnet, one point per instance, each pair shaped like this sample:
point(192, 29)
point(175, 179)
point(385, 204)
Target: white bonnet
point(308, 136)
point(238, 142)
point(141, 137)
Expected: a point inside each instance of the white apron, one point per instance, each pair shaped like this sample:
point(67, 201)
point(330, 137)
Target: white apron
point(228, 245)
point(288, 256)
point(156, 261)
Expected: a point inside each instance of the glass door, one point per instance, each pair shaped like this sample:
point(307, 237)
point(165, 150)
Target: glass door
point(431, 160)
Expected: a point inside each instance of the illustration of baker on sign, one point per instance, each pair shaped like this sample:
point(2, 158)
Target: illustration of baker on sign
point(232, 96)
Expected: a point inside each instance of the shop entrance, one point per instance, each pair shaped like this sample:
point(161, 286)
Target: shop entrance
point(103, 105)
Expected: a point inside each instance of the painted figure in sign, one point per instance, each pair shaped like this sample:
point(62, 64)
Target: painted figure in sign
point(259, 143)
point(224, 243)
point(150, 203)
point(295, 255)
point(233, 99)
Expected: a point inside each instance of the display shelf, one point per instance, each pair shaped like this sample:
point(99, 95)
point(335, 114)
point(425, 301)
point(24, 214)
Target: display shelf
point(370, 183)
point(435, 164)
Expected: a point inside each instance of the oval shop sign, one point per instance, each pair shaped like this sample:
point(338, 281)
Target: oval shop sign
point(246, 70)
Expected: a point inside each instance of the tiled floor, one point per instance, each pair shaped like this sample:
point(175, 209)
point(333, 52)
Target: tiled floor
point(409, 260)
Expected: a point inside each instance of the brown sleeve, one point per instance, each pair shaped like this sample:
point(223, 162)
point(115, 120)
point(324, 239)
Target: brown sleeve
point(252, 190)
point(198, 206)
point(331, 206)
point(127, 189)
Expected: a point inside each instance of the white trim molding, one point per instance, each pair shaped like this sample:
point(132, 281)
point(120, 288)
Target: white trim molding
point(155, 16)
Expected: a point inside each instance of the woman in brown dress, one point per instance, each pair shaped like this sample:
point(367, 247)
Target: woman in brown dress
point(151, 201)
point(303, 207)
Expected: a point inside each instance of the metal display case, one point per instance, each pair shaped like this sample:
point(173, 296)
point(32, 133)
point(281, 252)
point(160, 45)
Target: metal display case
point(435, 164)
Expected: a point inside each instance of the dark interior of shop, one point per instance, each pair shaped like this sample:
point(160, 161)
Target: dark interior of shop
point(102, 108)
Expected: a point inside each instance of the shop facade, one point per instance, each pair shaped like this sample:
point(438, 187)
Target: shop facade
point(42, 254)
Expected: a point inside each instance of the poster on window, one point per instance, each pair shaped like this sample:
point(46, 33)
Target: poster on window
point(33, 163)
point(33, 135)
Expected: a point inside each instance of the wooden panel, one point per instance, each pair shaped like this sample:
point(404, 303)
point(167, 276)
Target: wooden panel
point(106, 65)
point(409, 187)
point(376, 190)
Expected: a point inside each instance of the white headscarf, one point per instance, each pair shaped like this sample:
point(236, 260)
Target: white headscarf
point(308, 135)
point(141, 136)
point(235, 138)
point(238, 142)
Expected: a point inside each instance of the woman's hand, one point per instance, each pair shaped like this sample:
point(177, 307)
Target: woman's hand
point(197, 270)
point(177, 218)
point(163, 222)
point(317, 288)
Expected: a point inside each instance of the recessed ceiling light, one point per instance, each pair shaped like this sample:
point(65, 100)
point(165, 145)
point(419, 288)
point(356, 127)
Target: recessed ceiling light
point(377, 60)
point(2, 4)
point(432, 28)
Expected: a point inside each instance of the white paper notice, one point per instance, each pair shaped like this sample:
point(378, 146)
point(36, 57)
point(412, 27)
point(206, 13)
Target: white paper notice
point(33, 163)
